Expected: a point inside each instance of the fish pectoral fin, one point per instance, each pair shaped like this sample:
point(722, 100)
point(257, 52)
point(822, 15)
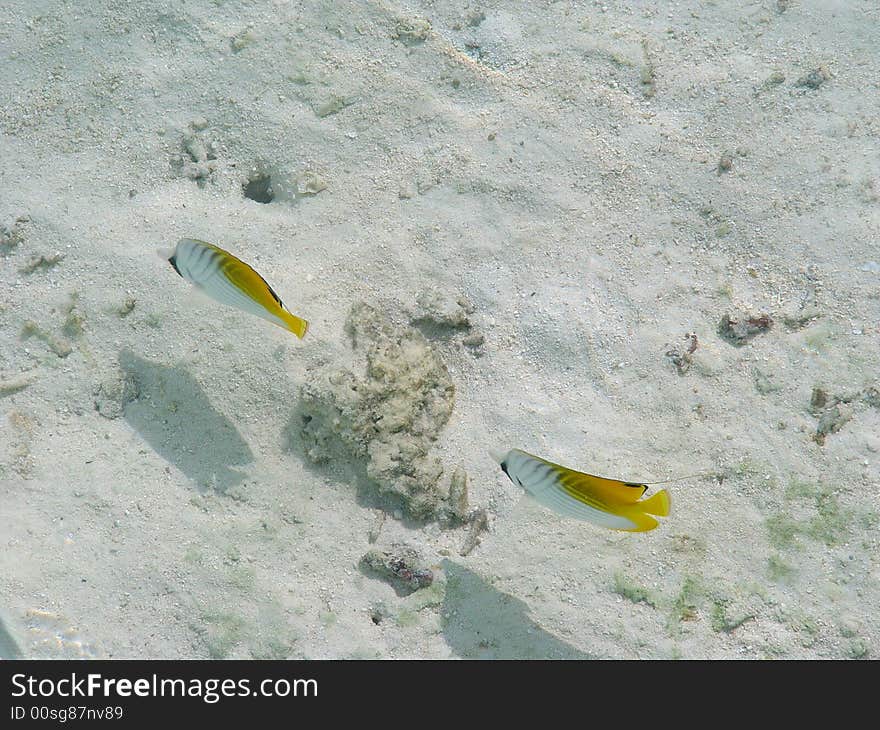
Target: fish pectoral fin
point(195, 296)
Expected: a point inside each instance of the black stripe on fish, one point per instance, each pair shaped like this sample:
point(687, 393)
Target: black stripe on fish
point(272, 291)
point(205, 259)
point(203, 250)
point(531, 469)
point(173, 262)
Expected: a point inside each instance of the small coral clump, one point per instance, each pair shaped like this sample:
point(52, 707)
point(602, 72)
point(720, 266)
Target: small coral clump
point(740, 328)
point(402, 565)
point(390, 417)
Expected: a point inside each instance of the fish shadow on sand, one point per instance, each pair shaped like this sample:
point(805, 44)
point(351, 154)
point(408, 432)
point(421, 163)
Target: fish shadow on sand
point(484, 623)
point(175, 417)
point(9, 648)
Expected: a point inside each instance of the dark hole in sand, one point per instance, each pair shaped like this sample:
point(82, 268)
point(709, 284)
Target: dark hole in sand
point(259, 188)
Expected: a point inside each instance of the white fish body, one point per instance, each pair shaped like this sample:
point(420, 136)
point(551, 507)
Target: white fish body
point(605, 502)
point(229, 280)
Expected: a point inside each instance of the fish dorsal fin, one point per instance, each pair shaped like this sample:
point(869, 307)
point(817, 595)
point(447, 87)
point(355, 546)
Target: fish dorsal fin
point(249, 281)
point(590, 487)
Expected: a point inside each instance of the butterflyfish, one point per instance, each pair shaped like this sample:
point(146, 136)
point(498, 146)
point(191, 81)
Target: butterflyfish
point(606, 502)
point(229, 280)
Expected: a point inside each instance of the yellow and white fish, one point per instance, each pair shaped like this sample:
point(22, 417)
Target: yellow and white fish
point(606, 502)
point(229, 280)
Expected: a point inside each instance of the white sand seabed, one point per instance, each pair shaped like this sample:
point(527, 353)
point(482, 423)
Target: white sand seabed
point(558, 165)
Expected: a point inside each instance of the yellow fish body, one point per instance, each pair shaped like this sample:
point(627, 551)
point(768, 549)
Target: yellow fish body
point(606, 502)
point(229, 280)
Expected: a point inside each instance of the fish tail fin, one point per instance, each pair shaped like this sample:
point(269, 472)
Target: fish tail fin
point(165, 253)
point(656, 504)
point(295, 324)
point(640, 512)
